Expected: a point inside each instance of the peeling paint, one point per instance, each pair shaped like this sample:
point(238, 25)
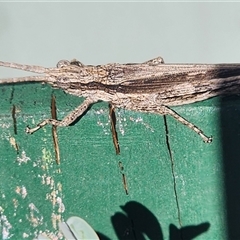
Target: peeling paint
point(25, 235)
point(55, 189)
point(22, 191)
point(33, 217)
point(105, 126)
point(61, 207)
point(23, 158)
point(13, 143)
point(56, 219)
point(15, 205)
point(6, 124)
point(140, 120)
point(47, 159)
point(5, 225)
point(121, 122)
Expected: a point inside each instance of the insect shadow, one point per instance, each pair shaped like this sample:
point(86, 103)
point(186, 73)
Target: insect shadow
point(80, 117)
point(137, 222)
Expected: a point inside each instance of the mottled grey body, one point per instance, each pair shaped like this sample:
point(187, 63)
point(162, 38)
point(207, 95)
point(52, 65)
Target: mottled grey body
point(148, 87)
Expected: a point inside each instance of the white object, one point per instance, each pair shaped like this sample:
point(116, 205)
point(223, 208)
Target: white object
point(77, 228)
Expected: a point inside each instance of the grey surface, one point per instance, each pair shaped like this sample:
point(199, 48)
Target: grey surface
point(96, 33)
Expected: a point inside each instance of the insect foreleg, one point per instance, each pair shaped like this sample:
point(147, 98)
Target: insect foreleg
point(70, 118)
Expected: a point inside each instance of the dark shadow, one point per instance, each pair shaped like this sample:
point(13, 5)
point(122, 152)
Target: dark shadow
point(80, 117)
point(102, 236)
point(188, 232)
point(136, 222)
point(230, 134)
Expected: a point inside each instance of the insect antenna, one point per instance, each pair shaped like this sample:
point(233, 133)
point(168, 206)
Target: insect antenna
point(24, 67)
point(28, 68)
point(23, 79)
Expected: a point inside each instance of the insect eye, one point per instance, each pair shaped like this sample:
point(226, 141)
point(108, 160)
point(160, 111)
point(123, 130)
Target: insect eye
point(63, 63)
point(77, 63)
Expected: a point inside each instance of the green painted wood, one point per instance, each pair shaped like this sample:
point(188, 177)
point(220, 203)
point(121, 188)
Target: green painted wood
point(36, 193)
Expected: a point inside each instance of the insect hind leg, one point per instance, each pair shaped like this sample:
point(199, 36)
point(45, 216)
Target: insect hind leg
point(164, 110)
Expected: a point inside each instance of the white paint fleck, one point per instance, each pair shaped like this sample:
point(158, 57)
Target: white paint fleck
point(33, 207)
point(23, 158)
point(25, 235)
point(61, 208)
point(24, 192)
point(59, 186)
point(5, 125)
point(140, 120)
point(52, 183)
point(48, 180)
point(5, 225)
point(43, 178)
point(121, 122)
point(15, 204)
point(56, 219)
point(35, 220)
point(21, 191)
point(105, 126)
point(13, 143)
point(100, 111)
point(18, 190)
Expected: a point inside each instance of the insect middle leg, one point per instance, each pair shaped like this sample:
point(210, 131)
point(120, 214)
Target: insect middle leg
point(70, 118)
